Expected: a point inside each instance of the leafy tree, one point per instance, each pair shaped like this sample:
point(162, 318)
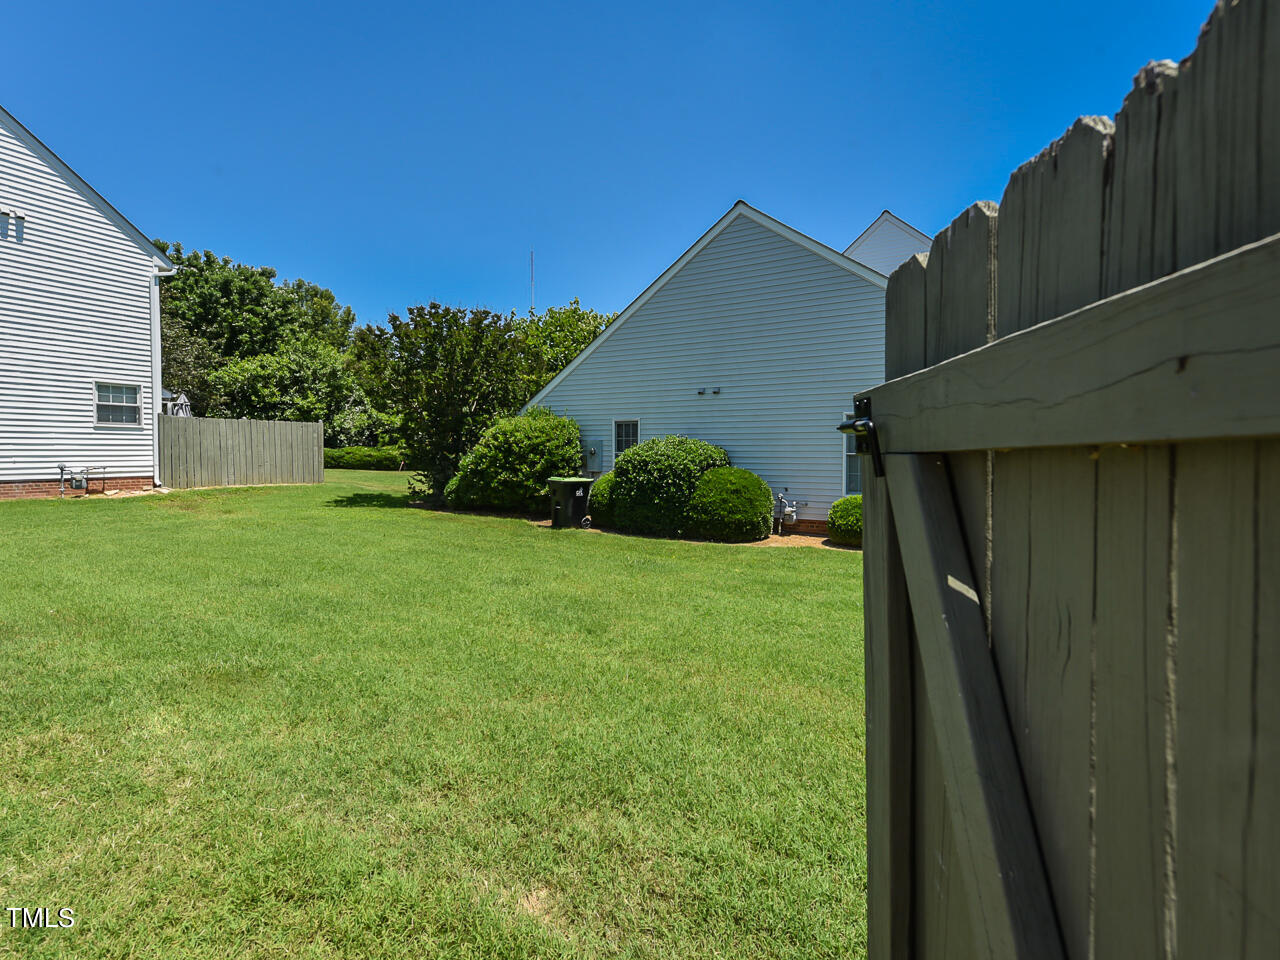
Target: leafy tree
point(187, 361)
point(237, 309)
point(555, 337)
point(315, 310)
point(305, 379)
point(452, 372)
point(369, 359)
point(214, 310)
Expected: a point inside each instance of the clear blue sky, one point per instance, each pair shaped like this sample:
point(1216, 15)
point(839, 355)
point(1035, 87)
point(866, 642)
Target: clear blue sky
point(399, 153)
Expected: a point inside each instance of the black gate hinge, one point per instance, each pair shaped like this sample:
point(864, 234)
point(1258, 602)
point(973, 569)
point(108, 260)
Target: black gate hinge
point(863, 428)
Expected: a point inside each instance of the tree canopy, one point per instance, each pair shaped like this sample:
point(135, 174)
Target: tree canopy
point(241, 343)
point(454, 371)
point(214, 310)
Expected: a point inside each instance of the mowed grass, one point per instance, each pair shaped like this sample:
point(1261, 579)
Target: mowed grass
point(309, 722)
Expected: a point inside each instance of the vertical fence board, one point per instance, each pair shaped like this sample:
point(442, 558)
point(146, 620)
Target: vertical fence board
point(1240, 33)
point(1138, 223)
point(1041, 605)
point(189, 455)
point(962, 303)
point(193, 435)
point(1269, 130)
point(243, 460)
point(1051, 227)
point(1226, 899)
point(1196, 141)
point(208, 463)
point(1017, 249)
point(275, 464)
point(1262, 882)
point(225, 452)
point(1130, 619)
point(960, 284)
point(260, 451)
point(905, 332)
point(887, 639)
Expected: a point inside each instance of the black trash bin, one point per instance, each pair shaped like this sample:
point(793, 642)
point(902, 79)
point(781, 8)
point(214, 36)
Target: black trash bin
point(569, 500)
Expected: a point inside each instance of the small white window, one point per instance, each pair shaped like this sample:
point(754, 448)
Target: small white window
point(852, 462)
point(626, 434)
point(117, 403)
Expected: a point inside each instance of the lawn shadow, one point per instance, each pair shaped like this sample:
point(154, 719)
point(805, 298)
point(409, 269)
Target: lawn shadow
point(393, 500)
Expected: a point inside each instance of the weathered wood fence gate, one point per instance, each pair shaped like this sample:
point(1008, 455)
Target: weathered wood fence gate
point(1073, 556)
point(200, 452)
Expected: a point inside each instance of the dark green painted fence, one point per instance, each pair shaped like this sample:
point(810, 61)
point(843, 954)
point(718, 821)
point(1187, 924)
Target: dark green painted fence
point(1073, 552)
point(199, 452)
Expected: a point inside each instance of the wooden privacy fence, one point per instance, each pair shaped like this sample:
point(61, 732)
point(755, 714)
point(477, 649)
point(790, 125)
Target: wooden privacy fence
point(198, 452)
point(1073, 554)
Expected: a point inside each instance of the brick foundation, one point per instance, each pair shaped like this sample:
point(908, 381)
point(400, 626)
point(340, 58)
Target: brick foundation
point(30, 489)
point(812, 528)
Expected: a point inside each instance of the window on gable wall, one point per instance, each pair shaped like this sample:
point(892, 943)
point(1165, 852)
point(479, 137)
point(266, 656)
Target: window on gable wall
point(626, 433)
point(852, 463)
point(117, 403)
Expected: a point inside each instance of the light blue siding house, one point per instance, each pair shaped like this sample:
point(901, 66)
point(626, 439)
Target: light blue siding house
point(756, 340)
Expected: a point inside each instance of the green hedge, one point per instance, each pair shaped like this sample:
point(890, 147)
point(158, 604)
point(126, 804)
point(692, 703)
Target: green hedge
point(844, 521)
point(656, 480)
point(509, 466)
point(363, 458)
point(600, 502)
point(731, 505)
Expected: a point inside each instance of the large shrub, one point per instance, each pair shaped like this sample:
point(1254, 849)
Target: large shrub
point(509, 466)
point(600, 502)
point(363, 458)
point(656, 480)
point(844, 521)
point(731, 505)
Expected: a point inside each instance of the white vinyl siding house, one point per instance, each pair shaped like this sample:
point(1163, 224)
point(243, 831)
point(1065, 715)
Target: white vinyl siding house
point(887, 243)
point(756, 340)
point(79, 323)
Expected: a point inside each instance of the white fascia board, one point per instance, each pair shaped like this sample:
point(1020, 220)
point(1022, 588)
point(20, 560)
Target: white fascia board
point(741, 208)
point(122, 222)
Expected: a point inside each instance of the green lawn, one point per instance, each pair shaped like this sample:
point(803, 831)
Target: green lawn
point(307, 722)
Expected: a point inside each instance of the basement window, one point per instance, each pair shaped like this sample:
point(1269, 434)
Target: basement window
point(117, 404)
point(626, 434)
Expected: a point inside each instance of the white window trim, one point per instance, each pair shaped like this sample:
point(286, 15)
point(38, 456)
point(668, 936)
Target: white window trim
point(613, 435)
point(844, 461)
point(142, 420)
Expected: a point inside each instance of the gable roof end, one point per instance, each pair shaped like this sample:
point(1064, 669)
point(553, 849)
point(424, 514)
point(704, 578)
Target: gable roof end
point(93, 196)
point(887, 216)
point(739, 209)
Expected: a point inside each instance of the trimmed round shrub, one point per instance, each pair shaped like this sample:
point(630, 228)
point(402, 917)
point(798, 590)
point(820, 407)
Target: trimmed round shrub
point(363, 458)
point(655, 482)
point(731, 505)
point(844, 521)
point(600, 501)
point(508, 467)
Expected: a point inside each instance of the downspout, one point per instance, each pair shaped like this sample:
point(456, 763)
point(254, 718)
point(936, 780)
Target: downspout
point(156, 368)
